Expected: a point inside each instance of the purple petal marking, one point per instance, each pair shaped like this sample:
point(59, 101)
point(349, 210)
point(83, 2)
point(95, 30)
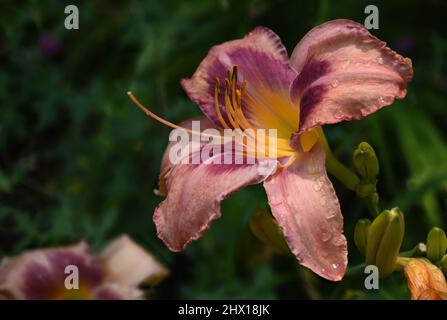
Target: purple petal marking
point(261, 47)
point(345, 74)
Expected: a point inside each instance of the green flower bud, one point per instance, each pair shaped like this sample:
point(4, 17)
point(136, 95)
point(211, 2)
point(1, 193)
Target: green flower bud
point(443, 264)
point(385, 236)
point(436, 244)
point(365, 162)
point(361, 234)
point(267, 230)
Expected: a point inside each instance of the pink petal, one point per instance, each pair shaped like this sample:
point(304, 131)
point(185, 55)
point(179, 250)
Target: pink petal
point(113, 291)
point(192, 146)
point(306, 207)
point(194, 196)
point(345, 73)
point(127, 264)
point(262, 60)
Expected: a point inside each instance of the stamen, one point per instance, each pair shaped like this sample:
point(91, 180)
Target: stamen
point(167, 123)
point(217, 105)
point(228, 106)
point(248, 151)
point(153, 115)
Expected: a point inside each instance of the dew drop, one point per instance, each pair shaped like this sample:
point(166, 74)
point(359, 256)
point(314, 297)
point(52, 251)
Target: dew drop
point(317, 185)
point(380, 60)
point(274, 200)
point(381, 99)
point(188, 225)
point(338, 241)
point(323, 200)
point(334, 84)
point(332, 213)
point(325, 236)
point(335, 266)
point(338, 114)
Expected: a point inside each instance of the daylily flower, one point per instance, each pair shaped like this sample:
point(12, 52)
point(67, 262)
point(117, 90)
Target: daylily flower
point(42, 274)
point(337, 72)
point(425, 281)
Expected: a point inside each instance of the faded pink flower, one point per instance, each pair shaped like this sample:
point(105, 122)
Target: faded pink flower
point(41, 274)
point(337, 72)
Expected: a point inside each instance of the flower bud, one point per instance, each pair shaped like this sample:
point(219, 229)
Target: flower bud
point(385, 236)
point(436, 244)
point(266, 229)
point(361, 234)
point(365, 162)
point(443, 264)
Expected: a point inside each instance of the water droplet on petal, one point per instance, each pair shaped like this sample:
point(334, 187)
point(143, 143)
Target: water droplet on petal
point(339, 114)
point(334, 84)
point(323, 200)
point(332, 213)
point(381, 100)
point(379, 60)
point(338, 241)
point(325, 236)
point(335, 265)
point(289, 200)
point(317, 185)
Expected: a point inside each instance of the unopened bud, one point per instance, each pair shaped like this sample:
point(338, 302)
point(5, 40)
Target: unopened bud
point(266, 229)
point(361, 234)
point(443, 264)
point(365, 162)
point(385, 236)
point(436, 244)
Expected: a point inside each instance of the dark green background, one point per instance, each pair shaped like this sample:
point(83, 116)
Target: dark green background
point(79, 160)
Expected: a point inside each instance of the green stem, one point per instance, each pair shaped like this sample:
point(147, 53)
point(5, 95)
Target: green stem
point(401, 263)
point(355, 270)
point(372, 204)
point(341, 172)
point(345, 175)
point(418, 249)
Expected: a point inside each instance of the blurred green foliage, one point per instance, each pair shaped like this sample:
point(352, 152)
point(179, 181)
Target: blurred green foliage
point(79, 160)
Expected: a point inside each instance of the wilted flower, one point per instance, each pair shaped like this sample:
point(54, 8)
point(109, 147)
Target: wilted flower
point(425, 281)
point(337, 72)
point(73, 272)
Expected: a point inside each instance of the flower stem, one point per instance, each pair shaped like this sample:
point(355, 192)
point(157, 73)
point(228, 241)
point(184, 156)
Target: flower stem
point(335, 167)
point(341, 172)
point(372, 204)
point(347, 176)
point(401, 263)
